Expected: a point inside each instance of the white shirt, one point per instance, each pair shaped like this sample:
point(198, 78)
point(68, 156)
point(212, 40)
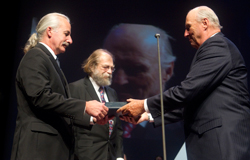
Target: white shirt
point(214, 34)
point(50, 50)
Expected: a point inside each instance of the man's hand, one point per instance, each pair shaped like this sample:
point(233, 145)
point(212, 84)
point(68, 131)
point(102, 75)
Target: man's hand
point(96, 109)
point(143, 117)
point(134, 109)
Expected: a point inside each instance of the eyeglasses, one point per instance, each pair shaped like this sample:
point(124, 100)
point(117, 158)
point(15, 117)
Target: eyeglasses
point(106, 68)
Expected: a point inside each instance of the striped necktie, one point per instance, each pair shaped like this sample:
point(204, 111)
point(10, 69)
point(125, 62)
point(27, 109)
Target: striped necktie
point(111, 122)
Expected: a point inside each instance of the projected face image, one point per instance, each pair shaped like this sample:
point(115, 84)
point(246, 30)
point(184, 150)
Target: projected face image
point(135, 74)
point(135, 50)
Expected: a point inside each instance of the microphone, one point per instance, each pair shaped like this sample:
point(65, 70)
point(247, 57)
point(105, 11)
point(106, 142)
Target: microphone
point(157, 35)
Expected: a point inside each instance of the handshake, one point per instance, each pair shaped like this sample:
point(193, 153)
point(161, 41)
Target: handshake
point(133, 112)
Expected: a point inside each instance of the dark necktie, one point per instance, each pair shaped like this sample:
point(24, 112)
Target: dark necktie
point(111, 122)
point(58, 62)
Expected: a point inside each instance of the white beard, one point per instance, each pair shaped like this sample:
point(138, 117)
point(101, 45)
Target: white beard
point(104, 79)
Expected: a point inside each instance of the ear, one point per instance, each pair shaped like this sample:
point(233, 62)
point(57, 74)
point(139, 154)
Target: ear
point(205, 23)
point(49, 31)
point(167, 73)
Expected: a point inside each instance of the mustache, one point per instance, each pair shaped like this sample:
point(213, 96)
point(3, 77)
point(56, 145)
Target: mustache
point(65, 43)
point(107, 75)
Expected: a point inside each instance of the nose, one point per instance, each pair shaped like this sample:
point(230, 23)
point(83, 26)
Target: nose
point(120, 77)
point(186, 33)
point(109, 70)
point(70, 41)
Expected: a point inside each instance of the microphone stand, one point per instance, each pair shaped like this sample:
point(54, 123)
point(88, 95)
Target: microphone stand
point(157, 35)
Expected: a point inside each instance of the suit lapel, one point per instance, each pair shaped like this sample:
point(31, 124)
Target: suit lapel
point(207, 41)
point(59, 71)
point(109, 95)
point(92, 93)
point(90, 89)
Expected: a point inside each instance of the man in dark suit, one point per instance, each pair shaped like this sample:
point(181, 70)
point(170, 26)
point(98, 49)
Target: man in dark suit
point(46, 113)
point(99, 142)
point(214, 95)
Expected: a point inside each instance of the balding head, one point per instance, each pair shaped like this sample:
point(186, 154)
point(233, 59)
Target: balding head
point(201, 23)
point(202, 12)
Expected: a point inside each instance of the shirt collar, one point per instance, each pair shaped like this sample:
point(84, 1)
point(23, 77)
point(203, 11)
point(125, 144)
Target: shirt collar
point(214, 34)
point(50, 50)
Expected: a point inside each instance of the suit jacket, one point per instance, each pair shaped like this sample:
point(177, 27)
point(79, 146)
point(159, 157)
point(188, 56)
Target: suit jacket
point(45, 111)
point(216, 103)
point(93, 143)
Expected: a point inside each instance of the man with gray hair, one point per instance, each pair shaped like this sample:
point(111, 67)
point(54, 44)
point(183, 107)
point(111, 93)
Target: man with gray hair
point(214, 94)
point(46, 113)
point(100, 142)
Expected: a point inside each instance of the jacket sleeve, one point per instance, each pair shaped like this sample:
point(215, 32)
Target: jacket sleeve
point(43, 90)
point(75, 91)
point(169, 117)
point(211, 66)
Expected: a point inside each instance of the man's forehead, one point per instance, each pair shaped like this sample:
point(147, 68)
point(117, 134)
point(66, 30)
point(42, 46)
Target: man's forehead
point(104, 57)
point(191, 15)
point(189, 21)
point(137, 46)
point(65, 25)
point(134, 52)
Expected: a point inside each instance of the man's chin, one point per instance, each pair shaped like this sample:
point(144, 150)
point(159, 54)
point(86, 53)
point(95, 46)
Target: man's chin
point(108, 81)
point(63, 49)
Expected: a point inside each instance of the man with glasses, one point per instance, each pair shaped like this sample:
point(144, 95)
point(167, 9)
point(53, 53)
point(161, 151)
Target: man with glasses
point(100, 141)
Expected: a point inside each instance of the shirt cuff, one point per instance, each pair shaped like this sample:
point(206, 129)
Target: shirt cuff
point(119, 159)
point(146, 106)
point(91, 121)
point(150, 118)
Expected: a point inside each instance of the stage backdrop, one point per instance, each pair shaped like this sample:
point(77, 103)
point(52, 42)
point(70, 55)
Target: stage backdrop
point(127, 29)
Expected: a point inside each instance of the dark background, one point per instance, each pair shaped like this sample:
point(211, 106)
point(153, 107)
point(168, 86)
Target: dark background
point(91, 22)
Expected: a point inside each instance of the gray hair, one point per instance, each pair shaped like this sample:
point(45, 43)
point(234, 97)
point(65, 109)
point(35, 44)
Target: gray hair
point(50, 20)
point(93, 60)
point(206, 12)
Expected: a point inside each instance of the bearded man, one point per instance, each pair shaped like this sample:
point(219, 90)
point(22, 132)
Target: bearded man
point(100, 141)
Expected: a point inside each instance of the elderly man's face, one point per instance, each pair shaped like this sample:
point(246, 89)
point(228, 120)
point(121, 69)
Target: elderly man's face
point(135, 50)
point(136, 74)
point(60, 37)
point(102, 73)
point(193, 30)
